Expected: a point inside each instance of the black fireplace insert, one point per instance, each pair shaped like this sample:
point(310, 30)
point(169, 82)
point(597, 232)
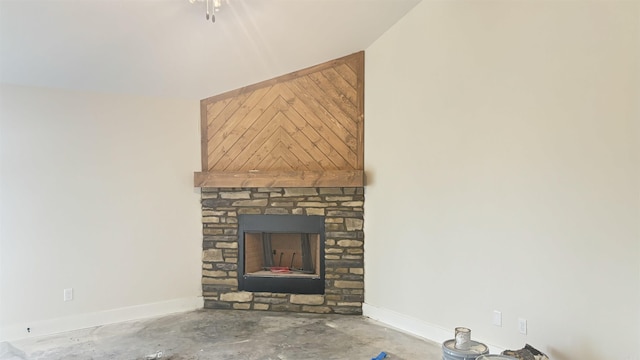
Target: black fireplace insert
point(281, 253)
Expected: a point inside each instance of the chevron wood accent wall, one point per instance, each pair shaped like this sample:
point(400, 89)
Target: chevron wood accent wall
point(304, 129)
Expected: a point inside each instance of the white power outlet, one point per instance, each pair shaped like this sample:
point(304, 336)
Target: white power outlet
point(68, 294)
point(522, 326)
point(497, 318)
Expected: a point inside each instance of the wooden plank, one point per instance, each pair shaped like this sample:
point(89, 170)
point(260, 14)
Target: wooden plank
point(359, 63)
point(283, 152)
point(348, 73)
point(237, 108)
point(309, 125)
point(355, 62)
point(252, 138)
point(230, 179)
point(214, 109)
point(308, 162)
point(335, 104)
point(305, 143)
point(340, 92)
point(324, 124)
point(324, 108)
point(219, 129)
point(280, 165)
point(270, 161)
point(347, 96)
point(280, 136)
point(232, 131)
point(306, 136)
point(262, 152)
point(203, 137)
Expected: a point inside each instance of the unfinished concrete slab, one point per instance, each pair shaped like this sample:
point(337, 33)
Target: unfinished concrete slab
point(224, 334)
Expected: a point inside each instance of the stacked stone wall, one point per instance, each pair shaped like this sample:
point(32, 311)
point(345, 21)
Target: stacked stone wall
point(344, 247)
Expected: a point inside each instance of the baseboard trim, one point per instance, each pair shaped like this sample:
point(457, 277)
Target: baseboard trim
point(415, 326)
point(82, 321)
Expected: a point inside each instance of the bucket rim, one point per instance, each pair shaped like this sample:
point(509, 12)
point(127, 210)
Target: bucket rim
point(476, 348)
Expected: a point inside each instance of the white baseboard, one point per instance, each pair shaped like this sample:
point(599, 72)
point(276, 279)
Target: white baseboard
point(414, 326)
point(82, 321)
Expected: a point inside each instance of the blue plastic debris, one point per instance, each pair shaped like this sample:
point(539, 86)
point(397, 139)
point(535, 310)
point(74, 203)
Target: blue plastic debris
point(380, 356)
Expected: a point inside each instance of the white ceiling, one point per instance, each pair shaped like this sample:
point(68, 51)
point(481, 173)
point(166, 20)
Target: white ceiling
point(168, 48)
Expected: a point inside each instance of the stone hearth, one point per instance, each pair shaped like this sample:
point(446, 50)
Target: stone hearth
point(344, 247)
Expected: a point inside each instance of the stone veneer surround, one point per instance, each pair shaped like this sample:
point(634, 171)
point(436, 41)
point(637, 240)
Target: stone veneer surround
point(344, 247)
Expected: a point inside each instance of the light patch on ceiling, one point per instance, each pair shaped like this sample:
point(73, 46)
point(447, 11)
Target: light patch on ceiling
point(168, 48)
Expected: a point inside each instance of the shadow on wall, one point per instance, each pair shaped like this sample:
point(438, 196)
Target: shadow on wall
point(369, 177)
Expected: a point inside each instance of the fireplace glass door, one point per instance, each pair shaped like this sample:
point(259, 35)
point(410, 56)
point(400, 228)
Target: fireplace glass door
point(281, 253)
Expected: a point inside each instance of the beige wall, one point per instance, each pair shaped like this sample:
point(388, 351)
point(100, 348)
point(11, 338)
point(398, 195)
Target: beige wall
point(502, 152)
point(96, 195)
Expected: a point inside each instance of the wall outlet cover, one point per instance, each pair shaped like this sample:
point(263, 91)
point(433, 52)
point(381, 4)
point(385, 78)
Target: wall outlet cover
point(497, 318)
point(68, 294)
point(522, 326)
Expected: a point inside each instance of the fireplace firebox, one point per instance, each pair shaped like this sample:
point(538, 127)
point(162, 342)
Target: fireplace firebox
point(281, 253)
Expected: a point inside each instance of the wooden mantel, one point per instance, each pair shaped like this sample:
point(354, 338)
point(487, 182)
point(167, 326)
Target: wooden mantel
point(304, 129)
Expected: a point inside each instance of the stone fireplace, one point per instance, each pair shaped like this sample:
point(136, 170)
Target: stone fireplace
point(328, 220)
point(282, 186)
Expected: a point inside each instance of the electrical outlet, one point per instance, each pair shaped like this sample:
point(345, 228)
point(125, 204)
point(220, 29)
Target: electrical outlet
point(68, 294)
point(497, 318)
point(522, 326)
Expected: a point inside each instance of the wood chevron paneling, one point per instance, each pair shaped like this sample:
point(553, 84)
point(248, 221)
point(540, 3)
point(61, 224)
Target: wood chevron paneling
point(295, 128)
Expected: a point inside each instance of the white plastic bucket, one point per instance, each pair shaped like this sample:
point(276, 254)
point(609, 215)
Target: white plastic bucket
point(475, 349)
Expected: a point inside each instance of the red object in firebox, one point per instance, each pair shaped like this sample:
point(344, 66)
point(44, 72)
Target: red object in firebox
point(279, 269)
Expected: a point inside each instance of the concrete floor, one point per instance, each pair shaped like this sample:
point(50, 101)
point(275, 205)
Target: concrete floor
point(225, 334)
